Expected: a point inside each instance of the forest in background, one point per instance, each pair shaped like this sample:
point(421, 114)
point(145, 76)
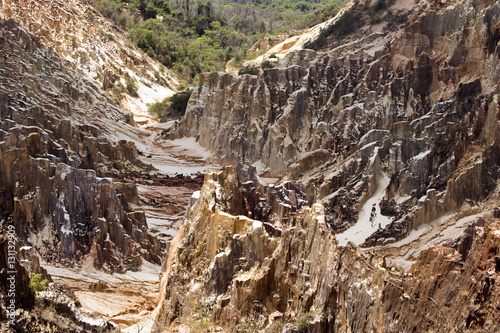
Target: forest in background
point(191, 37)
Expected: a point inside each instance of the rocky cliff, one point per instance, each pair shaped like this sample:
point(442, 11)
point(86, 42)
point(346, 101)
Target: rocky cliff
point(230, 273)
point(394, 135)
point(410, 115)
point(387, 139)
point(53, 155)
point(94, 45)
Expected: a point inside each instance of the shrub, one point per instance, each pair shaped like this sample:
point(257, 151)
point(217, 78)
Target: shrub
point(179, 101)
point(117, 92)
point(158, 75)
point(171, 107)
point(36, 285)
point(130, 86)
point(90, 15)
point(150, 11)
point(250, 70)
point(379, 6)
point(266, 64)
point(304, 322)
point(376, 19)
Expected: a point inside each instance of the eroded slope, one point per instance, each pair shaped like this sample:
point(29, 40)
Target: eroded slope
point(412, 126)
point(234, 274)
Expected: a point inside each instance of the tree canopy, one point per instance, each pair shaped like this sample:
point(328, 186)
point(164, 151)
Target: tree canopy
point(191, 37)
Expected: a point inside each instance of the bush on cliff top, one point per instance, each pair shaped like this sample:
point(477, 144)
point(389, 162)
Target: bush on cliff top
point(193, 37)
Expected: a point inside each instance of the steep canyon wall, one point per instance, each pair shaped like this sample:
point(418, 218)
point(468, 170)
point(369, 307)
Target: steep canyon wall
point(421, 110)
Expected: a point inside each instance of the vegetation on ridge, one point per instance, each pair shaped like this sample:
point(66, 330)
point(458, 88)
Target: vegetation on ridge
point(194, 37)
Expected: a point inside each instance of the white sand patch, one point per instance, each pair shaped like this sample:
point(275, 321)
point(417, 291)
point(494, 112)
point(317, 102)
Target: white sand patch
point(171, 168)
point(191, 146)
point(148, 272)
point(182, 156)
point(369, 219)
point(162, 226)
point(436, 232)
point(127, 299)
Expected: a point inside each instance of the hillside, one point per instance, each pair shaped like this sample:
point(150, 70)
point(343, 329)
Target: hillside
point(392, 128)
point(195, 37)
point(354, 166)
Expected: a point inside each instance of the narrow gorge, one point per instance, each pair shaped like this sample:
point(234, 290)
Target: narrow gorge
point(344, 180)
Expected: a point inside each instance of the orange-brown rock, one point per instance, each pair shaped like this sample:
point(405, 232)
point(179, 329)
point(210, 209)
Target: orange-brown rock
point(228, 272)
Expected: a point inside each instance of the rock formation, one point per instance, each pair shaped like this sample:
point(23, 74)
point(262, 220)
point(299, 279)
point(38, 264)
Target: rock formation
point(387, 135)
point(53, 157)
point(228, 271)
point(94, 45)
point(53, 310)
point(418, 107)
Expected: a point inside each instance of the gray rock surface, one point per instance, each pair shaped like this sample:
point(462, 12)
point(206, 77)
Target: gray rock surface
point(422, 110)
point(54, 157)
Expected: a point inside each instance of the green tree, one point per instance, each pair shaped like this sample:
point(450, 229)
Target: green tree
point(37, 284)
point(150, 12)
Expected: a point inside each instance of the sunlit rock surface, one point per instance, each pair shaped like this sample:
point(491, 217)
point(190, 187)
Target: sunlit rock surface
point(422, 111)
point(227, 271)
point(95, 46)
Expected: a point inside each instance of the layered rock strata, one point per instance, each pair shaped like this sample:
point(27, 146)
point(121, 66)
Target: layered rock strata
point(228, 271)
point(89, 42)
point(54, 152)
point(420, 109)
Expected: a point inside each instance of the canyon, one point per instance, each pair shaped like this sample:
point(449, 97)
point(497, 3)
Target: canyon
point(350, 185)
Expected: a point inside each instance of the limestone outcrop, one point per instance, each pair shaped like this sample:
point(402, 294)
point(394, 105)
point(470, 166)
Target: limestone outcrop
point(420, 109)
point(227, 272)
point(55, 153)
point(77, 33)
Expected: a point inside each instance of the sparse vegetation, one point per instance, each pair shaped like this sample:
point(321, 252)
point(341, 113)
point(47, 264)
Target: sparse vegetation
point(375, 19)
point(117, 92)
point(303, 322)
point(90, 15)
point(37, 284)
point(276, 326)
point(249, 70)
point(130, 86)
point(266, 64)
point(200, 320)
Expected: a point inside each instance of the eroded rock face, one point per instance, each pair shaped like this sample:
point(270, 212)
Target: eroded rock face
point(53, 157)
point(53, 310)
point(228, 271)
point(76, 31)
point(422, 111)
